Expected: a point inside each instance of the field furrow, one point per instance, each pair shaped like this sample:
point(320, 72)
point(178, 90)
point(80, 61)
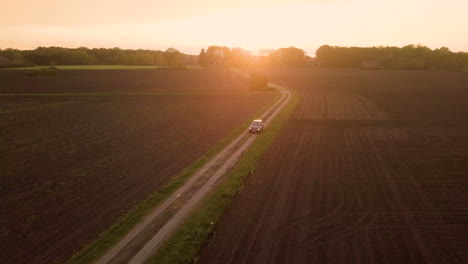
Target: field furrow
point(362, 173)
point(81, 149)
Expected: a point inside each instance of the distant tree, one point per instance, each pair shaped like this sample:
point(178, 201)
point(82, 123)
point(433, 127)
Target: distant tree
point(14, 58)
point(291, 56)
point(202, 59)
point(239, 57)
point(173, 57)
point(122, 59)
point(83, 55)
point(224, 56)
point(217, 55)
point(159, 58)
point(78, 57)
point(443, 58)
point(142, 58)
point(407, 57)
point(3, 61)
point(461, 60)
point(227, 57)
point(267, 56)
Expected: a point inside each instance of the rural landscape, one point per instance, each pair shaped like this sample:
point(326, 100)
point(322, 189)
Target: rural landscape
point(142, 132)
point(62, 168)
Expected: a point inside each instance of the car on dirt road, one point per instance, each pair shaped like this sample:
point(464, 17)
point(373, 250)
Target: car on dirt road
point(256, 126)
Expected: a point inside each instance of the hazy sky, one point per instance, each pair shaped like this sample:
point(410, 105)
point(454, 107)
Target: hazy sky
point(189, 25)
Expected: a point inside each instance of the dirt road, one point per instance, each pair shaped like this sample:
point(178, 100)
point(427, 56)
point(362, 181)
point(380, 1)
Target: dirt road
point(82, 149)
point(139, 244)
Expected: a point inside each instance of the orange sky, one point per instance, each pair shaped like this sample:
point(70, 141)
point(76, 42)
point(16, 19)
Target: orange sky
point(253, 24)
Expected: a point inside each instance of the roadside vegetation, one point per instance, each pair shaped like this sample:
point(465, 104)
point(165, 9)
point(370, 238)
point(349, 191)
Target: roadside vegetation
point(87, 67)
point(108, 238)
point(43, 72)
point(183, 245)
point(125, 119)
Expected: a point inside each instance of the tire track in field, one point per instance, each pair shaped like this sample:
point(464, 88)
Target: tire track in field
point(326, 105)
point(259, 249)
point(143, 245)
point(361, 189)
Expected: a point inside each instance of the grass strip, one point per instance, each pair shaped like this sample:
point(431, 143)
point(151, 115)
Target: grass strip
point(86, 67)
point(99, 67)
point(183, 245)
point(154, 93)
point(112, 235)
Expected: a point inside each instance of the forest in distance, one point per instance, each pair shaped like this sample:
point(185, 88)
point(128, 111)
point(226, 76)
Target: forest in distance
point(96, 56)
point(326, 56)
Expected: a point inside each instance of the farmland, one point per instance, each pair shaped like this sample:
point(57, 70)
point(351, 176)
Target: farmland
point(82, 148)
point(134, 81)
point(88, 67)
point(370, 168)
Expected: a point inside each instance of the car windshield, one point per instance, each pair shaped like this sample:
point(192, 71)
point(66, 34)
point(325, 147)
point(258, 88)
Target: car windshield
point(256, 123)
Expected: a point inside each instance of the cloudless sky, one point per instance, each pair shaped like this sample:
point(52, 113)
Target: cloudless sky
point(190, 25)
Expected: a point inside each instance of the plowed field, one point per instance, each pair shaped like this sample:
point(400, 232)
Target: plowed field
point(371, 168)
point(75, 160)
point(105, 81)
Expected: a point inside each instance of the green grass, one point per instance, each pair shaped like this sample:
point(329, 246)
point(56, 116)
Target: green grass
point(111, 236)
point(182, 246)
point(89, 67)
point(99, 67)
point(152, 93)
point(43, 72)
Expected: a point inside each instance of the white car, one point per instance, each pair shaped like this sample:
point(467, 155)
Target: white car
point(256, 126)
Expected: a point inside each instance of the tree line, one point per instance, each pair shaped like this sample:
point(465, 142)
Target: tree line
point(221, 56)
point(226, 57)
point(407, 57)
point(96, 56)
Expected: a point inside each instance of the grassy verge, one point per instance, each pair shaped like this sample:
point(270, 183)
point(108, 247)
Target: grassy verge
point(87, 67)
point(108, 238)
point(150, 93)
point(98, 67)
point(183, 246)
point(43, 72)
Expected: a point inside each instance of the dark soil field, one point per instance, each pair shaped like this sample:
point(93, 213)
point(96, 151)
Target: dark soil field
point(104, 81)
point(371, 168)
point(74, 163)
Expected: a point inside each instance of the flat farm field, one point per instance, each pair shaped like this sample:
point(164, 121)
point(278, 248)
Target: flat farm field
point(81, 148)
point(371, 168)
point(123, 81)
